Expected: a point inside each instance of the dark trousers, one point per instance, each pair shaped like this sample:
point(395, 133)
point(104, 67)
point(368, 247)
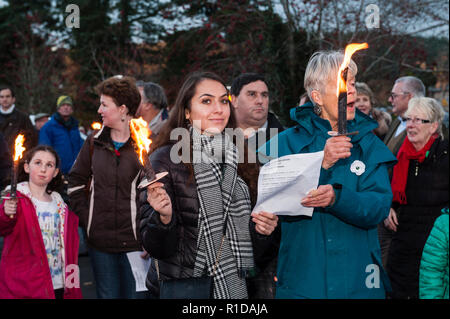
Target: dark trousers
point(59, 293)
point(385, 238)
point(263, 285)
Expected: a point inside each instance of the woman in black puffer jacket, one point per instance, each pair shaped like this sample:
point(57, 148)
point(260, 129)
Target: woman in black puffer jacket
point(420, 187)
point(173, 227)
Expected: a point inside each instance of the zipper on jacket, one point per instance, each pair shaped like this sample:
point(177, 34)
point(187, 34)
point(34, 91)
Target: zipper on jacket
point(115, 193)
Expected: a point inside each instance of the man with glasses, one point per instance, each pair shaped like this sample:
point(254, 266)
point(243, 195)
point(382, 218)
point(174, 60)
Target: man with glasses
point(405, 88)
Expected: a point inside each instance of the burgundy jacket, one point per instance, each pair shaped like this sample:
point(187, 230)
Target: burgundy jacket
point(24, 270)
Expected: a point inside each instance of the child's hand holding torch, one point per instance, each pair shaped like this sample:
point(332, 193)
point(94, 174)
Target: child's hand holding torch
point(11, 200)
point(11, 207)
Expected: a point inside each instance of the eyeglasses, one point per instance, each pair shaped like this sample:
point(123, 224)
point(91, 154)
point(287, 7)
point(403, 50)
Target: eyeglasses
point(394, 95)
point(417, 120)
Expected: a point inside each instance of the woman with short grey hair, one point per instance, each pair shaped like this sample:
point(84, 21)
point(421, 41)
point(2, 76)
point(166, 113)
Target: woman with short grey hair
point(431, 108)
point(327, 255)
point(420, 187)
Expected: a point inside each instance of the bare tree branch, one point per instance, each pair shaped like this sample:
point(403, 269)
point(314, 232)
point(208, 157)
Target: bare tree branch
point(94, 58)
point(402, 63)
point(379, 58)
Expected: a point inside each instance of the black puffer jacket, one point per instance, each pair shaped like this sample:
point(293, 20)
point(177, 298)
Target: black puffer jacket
point(427, 192)
point(175, 244)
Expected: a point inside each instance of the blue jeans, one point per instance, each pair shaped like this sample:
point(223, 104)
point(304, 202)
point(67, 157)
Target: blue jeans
point(82, 250)
point(113, 276)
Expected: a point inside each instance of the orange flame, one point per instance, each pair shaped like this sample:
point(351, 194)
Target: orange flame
point(18, 147)
point(140, 133)
point(349, 50)
point(96, 125)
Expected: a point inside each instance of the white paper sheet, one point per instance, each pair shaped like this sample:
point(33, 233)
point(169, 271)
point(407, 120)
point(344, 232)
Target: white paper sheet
point(284, 182)
point(139, 267)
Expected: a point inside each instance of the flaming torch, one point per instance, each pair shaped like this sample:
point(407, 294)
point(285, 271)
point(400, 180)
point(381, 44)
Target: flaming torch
point(342, 87)
point(18, 153)
point(140, 134)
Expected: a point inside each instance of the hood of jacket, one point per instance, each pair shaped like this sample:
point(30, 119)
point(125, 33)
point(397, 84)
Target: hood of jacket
point(305, 116)
point(310, 126)
point(24, 188)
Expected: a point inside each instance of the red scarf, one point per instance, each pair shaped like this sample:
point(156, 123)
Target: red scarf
point(406, 153)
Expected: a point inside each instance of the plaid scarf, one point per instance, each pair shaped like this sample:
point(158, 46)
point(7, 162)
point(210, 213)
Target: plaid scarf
point(223, 197)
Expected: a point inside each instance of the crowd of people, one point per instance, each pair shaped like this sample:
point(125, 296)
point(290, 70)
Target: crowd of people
point(379, 227)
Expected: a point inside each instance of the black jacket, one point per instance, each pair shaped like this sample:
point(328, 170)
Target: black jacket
point(175, 244)
point(16, 123)
point(427, 192)
point(274, 127)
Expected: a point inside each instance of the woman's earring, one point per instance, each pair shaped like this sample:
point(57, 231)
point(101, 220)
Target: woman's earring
point(317, 109)
point(123, 119)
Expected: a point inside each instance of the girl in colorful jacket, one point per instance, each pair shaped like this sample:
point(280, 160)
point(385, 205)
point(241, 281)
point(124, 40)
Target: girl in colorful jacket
point(40, 253)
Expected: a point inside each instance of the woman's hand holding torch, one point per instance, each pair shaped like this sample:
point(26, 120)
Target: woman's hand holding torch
point(158, 198)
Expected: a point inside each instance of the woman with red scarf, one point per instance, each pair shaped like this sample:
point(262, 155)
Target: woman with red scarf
point(420, 186)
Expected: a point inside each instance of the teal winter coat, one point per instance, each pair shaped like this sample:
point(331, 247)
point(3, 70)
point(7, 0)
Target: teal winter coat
point(433, 278)
point(335, 253)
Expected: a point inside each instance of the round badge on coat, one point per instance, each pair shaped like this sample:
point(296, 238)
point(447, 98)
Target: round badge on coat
point(358, 167)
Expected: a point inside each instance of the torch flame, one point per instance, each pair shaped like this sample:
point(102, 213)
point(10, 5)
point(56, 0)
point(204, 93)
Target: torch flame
point(96, 125)
point(18, 147)
point(140, 133)
point(349, 50)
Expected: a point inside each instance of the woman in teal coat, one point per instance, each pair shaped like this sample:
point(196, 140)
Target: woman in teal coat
point(433, 279)
point(335, 253)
